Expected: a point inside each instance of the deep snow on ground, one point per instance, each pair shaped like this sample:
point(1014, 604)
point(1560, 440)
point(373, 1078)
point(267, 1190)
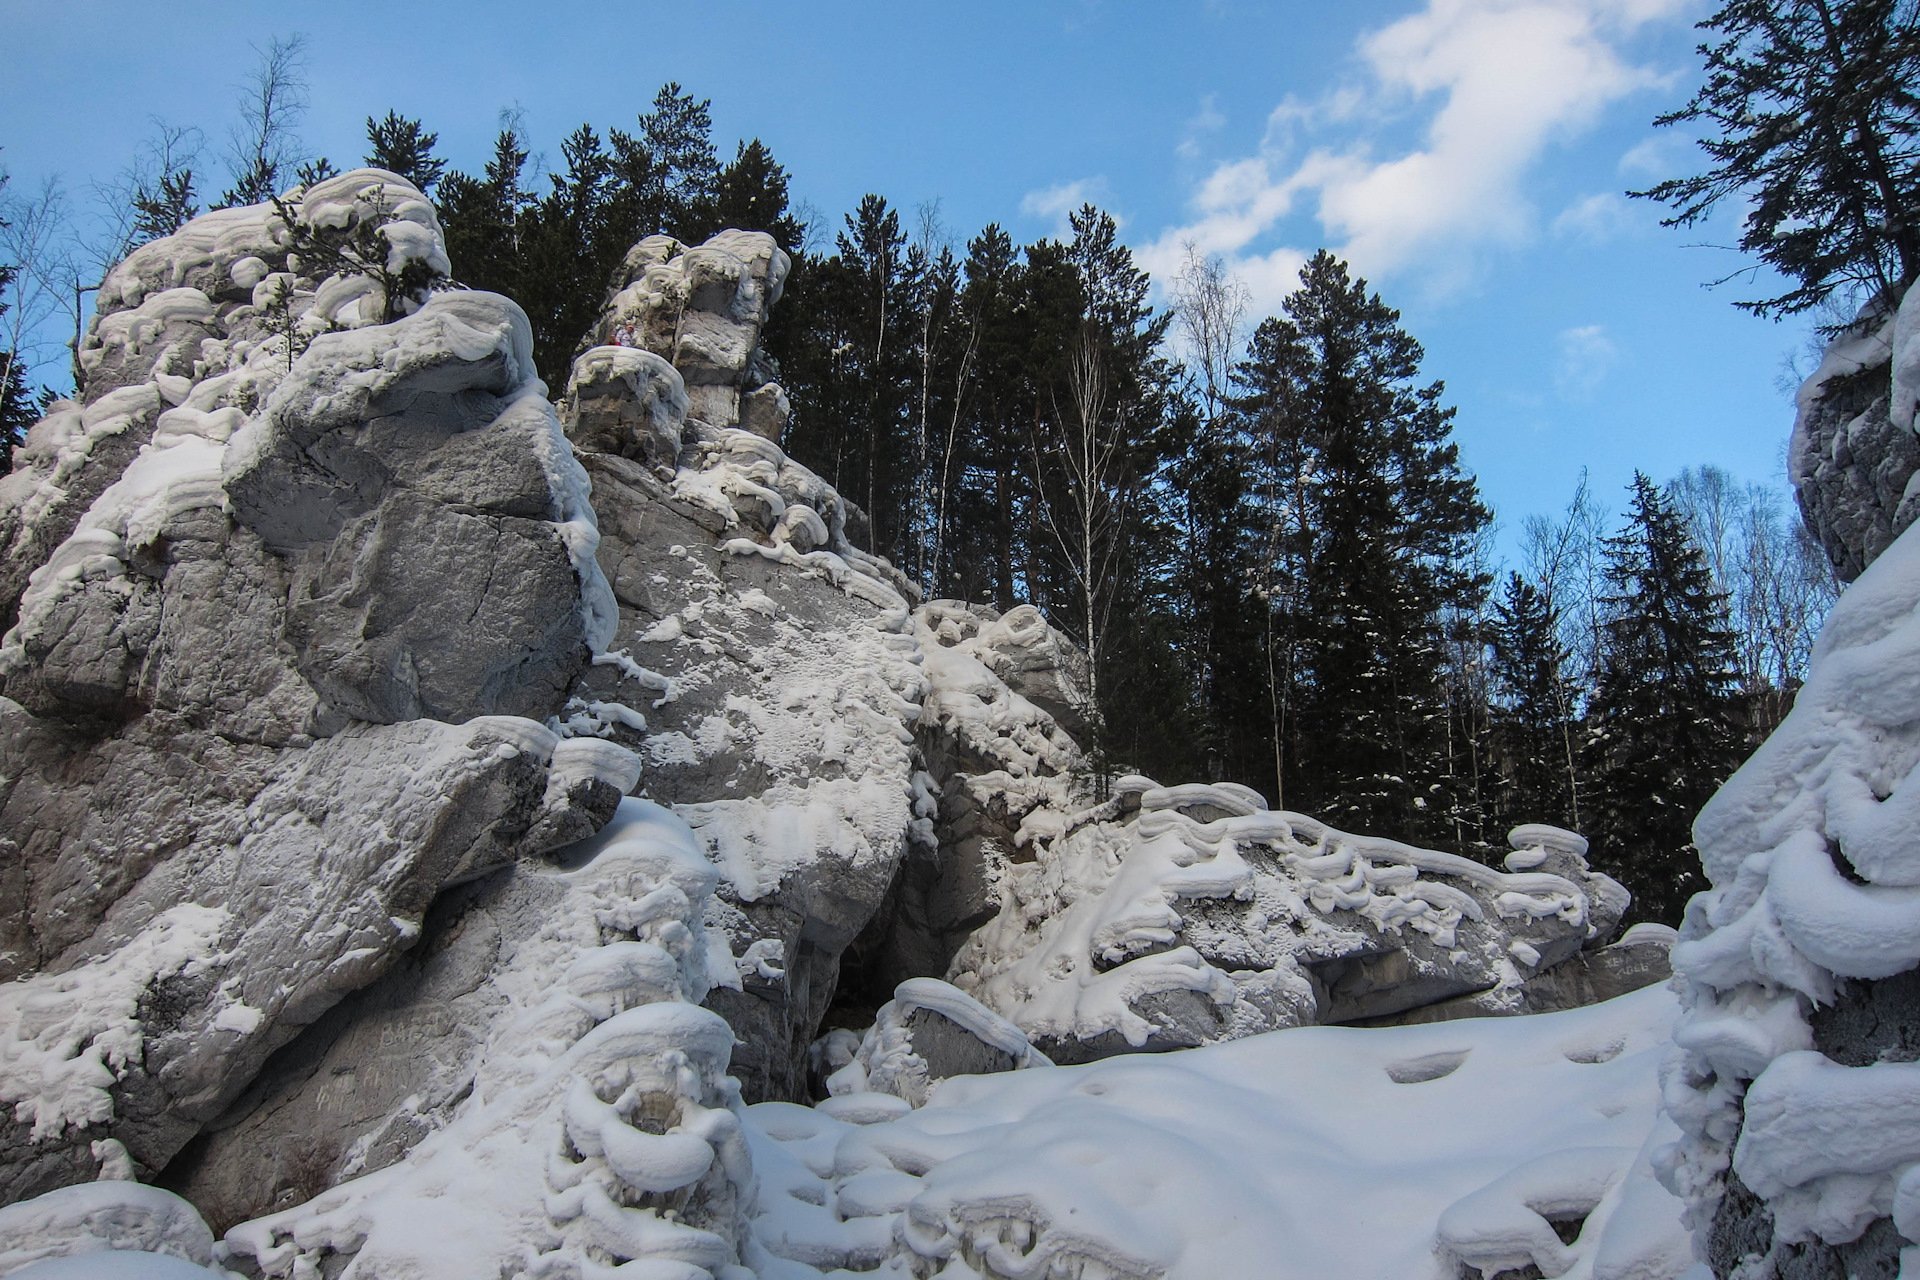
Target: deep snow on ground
point(1312, 1153)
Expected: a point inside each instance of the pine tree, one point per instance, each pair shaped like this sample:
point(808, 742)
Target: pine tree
point(1532, 719)
point(1662, 730)
point(318, 169)
point(399, 145)
point(570, 242)
point(981, 481)
point(678, 138)
point(1224, 634)
point(359, 249)
point(1818, 107)
point(165, 208)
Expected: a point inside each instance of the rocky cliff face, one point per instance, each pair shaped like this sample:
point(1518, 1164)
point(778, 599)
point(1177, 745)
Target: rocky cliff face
point(1793, 1083)
point(757, 667)
point(1853, 454)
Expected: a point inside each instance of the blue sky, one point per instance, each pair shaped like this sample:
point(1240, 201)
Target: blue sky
point(1467, 155)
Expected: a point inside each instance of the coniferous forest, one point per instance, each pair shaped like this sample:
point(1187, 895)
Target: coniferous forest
point(1260, 528)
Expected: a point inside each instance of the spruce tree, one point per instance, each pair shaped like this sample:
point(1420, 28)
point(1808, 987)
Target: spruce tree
point(1532, 717)
point(1662, 733)
point(483, 216)
point(677, 136)
point(751, 195)
point(1817, 104)
point(399, 145)
point(1372, 518)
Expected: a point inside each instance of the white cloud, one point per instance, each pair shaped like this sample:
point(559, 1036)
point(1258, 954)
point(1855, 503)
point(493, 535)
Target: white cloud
point(1205, 121)
point(1054, 203)
point(1661, 156)
point(1499, 81)
point(1585, 358)
point(1599, 217)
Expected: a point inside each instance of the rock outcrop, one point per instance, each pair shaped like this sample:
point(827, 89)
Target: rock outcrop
point(701, 309)
point(1854, 454)
point(598, 1125)
point(1172, 917)
point(259, 709)
point(772, 660)
point(757, 664)
point(1795, 1079)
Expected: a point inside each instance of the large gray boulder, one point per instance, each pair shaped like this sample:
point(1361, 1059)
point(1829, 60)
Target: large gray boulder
point(413, 475)
point(285, 587)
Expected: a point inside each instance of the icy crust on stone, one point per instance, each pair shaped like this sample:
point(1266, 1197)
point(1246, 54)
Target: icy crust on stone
point(1206, 917)
point(626, 401)
point(233, 251)
point(175, 473)
point(779, 706)
point(601, 1128)
point(1004, 738)
point(1497, 1143)
point(66, 1039)
point(1815, 880)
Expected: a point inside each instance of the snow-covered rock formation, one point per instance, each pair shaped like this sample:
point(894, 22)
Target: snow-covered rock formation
point(773, 661)
point(1795, 1078)
point(600, 1125)
point(339, 647)
point(1204, 917)
point(1165, 917)
point(701, 309)
point(258, 711)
